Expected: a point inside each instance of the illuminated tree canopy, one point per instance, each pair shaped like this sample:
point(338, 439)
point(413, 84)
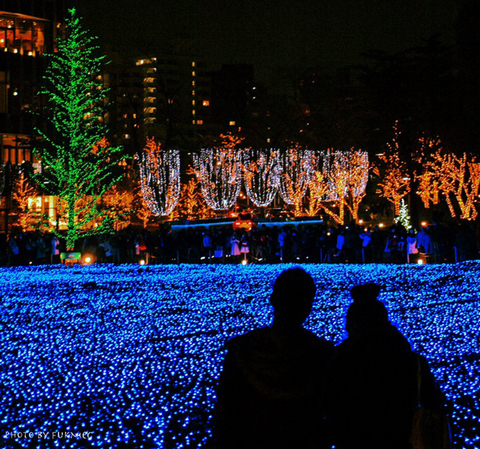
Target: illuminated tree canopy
point(261, 173)
point(456, 178)
point(220, 173)
point(160, 178)
point(76, 161)
point(296, 172)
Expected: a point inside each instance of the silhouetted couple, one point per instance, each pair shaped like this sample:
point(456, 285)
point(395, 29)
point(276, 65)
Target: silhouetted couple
point(284, 387)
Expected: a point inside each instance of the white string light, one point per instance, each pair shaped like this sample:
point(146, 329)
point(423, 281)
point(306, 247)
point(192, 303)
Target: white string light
point(220, 174)
point(261, 172)
point(160, 179)
point(296, 165)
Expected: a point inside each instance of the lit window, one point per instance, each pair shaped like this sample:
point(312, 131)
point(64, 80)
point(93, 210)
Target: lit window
point(199, 122)
point(193, 112)
point(206, 103)
point(193, 83)
point(193, 102)
point(232, 123)
point(193, 63)
point(193, 73)
point(193, 93)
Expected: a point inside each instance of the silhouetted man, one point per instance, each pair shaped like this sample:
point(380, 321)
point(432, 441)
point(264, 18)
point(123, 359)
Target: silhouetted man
point(272, 385)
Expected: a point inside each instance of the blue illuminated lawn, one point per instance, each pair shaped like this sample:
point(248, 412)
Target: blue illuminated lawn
point(132, 354)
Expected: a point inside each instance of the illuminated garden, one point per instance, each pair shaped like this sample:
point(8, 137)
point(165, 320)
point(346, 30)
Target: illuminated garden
point(132, 354)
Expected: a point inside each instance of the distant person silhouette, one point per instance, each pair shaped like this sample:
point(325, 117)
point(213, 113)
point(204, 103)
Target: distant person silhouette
point(271, 388)
point(372, 384)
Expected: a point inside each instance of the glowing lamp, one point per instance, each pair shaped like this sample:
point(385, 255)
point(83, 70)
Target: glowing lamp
point(421, 262)
point(244, 262)
point(424, 223)
point(88, 259)
point(142, 262)
point(381, 225)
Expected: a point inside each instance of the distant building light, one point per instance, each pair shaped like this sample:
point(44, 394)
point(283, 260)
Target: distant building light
point(193, 73)
point(199, 122)
point(193, 63)
point(206, 103)
point(232, 123)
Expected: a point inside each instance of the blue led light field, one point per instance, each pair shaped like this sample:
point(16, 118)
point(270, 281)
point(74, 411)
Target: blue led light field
point(128, 356)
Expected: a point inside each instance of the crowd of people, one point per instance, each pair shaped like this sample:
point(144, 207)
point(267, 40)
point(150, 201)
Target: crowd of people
point(307, 243)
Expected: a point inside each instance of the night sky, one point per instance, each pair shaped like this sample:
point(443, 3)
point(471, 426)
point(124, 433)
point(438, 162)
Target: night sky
point(272, 34)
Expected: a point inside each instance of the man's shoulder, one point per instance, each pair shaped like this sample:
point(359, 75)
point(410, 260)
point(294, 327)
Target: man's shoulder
point(257, 337)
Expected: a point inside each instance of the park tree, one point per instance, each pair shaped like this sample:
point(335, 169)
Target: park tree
point(25, 196)
point(453, 178)
point(77, 162)
point(160, 177)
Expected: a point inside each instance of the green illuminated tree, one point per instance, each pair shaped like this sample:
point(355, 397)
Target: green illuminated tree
point(77, 163)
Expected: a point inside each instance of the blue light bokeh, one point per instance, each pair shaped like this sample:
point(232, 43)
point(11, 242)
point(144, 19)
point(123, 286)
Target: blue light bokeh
point(132, 354)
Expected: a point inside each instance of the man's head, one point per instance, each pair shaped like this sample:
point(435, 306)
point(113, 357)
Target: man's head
point(292, 296)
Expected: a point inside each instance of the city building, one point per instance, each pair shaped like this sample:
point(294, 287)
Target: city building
point(176, 98)
point(28, 30)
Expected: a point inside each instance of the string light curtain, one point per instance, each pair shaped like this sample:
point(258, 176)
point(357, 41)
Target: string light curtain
point(261, 172)
point(160, 178)
point(220, 173)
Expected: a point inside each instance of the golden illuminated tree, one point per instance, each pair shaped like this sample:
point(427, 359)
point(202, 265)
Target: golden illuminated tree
point(140, 207)
point(118, 204)
point(428, 187)
point(456, 177)
point(335, 176)
point(394, 181)
point(356, 162)
point(295, 173)
point(317, 192)
point(26, 197)
point(192, 205)
point(339, 182)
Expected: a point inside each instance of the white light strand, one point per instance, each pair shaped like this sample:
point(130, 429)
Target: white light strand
point(261, 172)
point(160, 180)
point(220, 174)
point(296, 171)
point(345, 172)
